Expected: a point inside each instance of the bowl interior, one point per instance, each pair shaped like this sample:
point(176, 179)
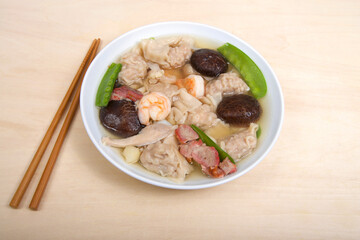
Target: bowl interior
point(272, 103)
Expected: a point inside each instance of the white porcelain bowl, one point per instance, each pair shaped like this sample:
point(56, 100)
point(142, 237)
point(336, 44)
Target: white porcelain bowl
point(272, 103)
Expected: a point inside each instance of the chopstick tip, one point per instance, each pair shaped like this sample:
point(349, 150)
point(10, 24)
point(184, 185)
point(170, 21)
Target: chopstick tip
point(33, 208)
point(13, 206)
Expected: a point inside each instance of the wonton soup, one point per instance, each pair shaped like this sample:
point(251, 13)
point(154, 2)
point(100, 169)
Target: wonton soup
point(172, 105)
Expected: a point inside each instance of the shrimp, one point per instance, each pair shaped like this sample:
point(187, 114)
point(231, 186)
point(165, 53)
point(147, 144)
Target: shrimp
point(194, 84)
point(155, 106)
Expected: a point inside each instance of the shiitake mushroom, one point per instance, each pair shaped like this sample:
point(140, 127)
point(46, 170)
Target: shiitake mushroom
point(208, 62)
point(239, 109)
point(121, 118)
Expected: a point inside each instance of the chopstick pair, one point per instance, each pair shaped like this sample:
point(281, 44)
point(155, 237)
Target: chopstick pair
point(49, 133)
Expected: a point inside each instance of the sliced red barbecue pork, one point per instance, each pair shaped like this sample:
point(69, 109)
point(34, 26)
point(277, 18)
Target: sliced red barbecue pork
point(126, 92)
point(184, 133)
point(227, 166)
point(206, 156)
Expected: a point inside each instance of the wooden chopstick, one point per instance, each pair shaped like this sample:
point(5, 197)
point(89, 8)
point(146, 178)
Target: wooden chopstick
point(57, 146)
point(48, 135)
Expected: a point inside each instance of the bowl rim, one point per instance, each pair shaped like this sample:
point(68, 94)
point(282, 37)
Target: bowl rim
point(181, 186)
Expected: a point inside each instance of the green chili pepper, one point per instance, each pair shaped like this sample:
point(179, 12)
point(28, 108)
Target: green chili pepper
point(205, 138)
point(107, 85)
point(248, 69)
point(258, 132)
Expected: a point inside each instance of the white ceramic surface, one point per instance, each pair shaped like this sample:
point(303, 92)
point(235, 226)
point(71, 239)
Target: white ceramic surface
point(272, 103)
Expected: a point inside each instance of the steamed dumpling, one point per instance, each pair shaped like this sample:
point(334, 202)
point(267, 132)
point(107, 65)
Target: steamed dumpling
point(241, 143)
point(164, 158)
point(227, 84)
point(170, 52)
point(134, 69)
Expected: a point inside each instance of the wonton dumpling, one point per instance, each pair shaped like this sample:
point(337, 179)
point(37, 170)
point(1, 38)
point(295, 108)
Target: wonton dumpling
point(165, 159)
point(226, 84)
point(242, 143)
point(167, 89)
point(182, 104)
point(134, 69)
point(203, 117)
point(170, 52)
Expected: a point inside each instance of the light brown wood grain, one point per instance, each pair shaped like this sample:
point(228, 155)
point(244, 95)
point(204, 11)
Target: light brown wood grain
point(39, 192)
point(308, 187)
point(16, 199)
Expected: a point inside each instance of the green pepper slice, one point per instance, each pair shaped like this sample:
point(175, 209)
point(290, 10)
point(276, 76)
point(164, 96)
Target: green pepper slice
point(258, 132)
point(107, 85)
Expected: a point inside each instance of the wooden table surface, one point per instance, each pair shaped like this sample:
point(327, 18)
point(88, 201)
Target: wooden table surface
point(308, 187)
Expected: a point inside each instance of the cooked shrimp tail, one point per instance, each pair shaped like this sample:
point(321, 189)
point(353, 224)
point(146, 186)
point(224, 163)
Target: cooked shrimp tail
point(155, 106)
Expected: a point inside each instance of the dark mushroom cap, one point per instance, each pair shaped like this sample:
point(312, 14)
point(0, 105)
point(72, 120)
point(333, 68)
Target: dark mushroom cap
point(208, 62)
point(121, 118)
point(239, 109)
